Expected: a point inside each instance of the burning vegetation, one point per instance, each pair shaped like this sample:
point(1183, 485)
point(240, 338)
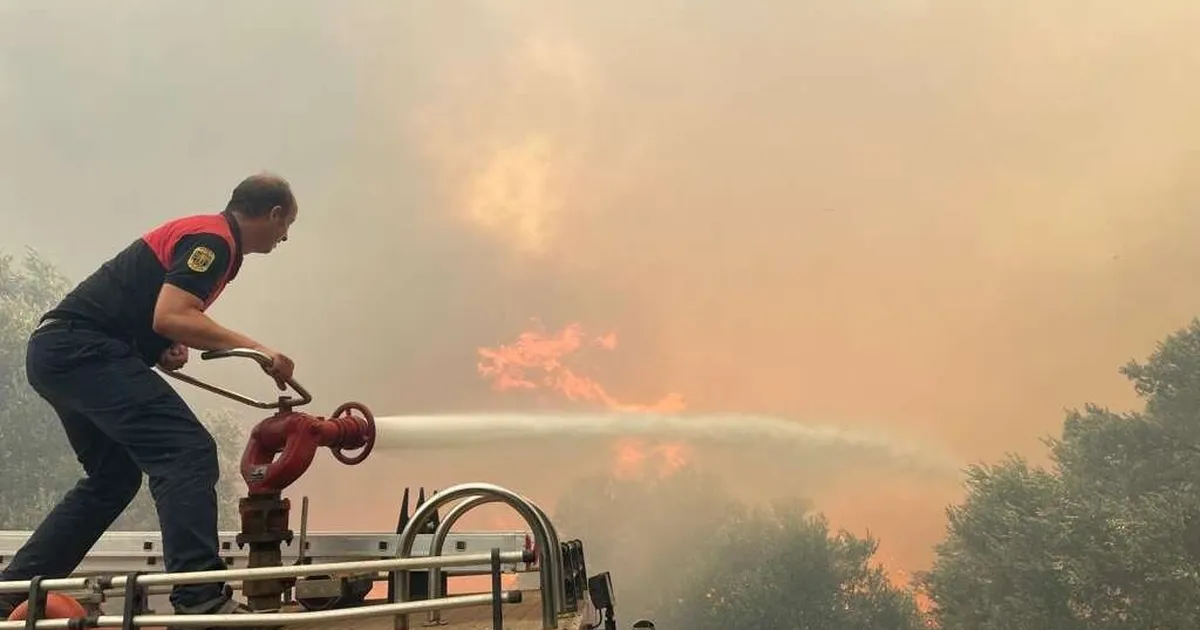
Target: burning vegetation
point(537, 361)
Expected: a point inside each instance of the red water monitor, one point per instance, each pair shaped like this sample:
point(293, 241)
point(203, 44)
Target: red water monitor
point(282, 447)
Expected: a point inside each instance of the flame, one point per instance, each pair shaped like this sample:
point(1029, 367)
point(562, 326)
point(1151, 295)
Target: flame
point(535, 361)
point(509, 366)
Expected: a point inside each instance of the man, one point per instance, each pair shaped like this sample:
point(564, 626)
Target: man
point(91, 358)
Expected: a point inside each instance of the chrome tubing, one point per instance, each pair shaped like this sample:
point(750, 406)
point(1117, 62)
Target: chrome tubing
point(443, 532)
point(272, 619)
point(258, 573)
point(549, 573)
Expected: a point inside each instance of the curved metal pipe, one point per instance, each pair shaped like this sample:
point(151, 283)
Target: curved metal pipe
point(560, 590)
point(549, 573)
point(544, 535)
point(443, 532)
point(550, 559)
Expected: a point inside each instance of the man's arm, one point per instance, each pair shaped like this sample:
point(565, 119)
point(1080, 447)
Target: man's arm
point(197, 264)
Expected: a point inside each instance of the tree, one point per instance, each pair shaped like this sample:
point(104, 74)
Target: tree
point(684, 552)
point(1108, 537)
point(36, 462)
point(645, 529)
point(782, 567)
point(999, 567)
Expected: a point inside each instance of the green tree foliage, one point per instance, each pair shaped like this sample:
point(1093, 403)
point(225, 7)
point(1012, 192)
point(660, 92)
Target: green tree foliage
point(684, 552)
point(36, 462)
point(637, 526)
point(783, 568)
point(1107, 537)
point(997, 569)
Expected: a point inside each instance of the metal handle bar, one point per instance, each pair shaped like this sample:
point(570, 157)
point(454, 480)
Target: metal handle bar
point(261, 357)
point(264, 361)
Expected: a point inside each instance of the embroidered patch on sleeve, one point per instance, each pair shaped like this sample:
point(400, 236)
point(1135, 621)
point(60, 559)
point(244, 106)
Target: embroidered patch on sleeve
point(201, 259)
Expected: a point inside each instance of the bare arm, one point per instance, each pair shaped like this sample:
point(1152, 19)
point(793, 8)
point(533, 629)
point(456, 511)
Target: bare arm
point(195, 270)
point(179, 316)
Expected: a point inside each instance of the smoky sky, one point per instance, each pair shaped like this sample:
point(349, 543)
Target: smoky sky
point(949, 219)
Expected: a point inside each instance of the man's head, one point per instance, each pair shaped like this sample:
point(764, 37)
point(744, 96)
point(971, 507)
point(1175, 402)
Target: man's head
point(264, 208)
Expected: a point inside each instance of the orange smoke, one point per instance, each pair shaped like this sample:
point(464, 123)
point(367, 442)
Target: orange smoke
point(907, 518)
point(901, 578)
point(537, 361)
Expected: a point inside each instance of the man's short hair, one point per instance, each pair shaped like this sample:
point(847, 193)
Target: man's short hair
point(256, 195)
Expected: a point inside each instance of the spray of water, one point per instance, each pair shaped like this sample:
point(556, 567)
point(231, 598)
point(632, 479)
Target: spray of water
point(815, 444)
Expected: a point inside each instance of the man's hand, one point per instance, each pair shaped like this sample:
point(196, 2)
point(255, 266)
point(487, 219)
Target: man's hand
point(174, 357)
point(281, 367)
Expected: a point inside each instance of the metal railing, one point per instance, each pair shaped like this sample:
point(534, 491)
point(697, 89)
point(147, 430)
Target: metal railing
point(443, 532)
point(38, 588)
point(545, 538)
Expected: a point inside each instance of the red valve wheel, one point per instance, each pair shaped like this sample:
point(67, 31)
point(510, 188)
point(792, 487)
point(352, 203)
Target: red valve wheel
point(347, 409)
point(58, 606)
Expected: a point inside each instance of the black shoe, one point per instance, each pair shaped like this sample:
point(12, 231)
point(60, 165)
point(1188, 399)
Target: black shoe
point(9, 603)
point(224, 605)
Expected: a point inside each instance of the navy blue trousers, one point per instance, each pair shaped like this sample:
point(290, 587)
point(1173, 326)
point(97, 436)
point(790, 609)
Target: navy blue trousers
point(123, 420)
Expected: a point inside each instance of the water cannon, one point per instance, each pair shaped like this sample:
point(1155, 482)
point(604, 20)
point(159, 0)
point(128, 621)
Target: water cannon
point(283, 446)
point(279, 451)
